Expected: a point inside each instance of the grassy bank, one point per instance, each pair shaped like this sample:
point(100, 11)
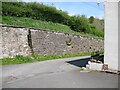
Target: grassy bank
point(38, 24)
point(33, 58)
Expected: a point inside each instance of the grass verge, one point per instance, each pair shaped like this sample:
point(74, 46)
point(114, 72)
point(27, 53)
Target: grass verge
point(33, 58)
point(38, 24)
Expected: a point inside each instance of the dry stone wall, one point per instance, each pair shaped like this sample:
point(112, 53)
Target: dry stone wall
point(24, 41)
point(14, 41)
point(52, 43)
point(1, 42)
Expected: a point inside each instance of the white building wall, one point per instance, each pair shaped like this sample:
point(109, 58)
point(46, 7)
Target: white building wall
point(119, 35)
point(111, 35)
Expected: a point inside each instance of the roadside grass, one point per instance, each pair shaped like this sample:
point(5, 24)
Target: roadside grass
point(38, 24)
point(16, 60)
point(34, 58)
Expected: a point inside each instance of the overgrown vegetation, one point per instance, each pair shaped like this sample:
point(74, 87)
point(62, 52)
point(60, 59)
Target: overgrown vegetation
point(42, 12)
point(28, 22)
point(91, 19)
point(33, 58)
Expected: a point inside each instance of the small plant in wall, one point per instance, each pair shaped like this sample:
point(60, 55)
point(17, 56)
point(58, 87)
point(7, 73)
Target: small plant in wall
point(68, 42)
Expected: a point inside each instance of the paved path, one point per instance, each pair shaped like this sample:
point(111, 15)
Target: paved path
point(61, 73)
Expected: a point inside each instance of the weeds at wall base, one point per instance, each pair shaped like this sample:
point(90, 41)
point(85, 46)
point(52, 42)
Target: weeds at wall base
point(34, 58)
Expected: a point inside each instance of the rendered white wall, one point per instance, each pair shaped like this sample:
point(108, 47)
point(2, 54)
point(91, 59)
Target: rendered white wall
point(111, 35)
point(119, 35)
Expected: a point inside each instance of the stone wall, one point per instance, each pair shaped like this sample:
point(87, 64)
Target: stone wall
point(24, 41)
point(14, 41)
point(52, 43)
point(1, 42)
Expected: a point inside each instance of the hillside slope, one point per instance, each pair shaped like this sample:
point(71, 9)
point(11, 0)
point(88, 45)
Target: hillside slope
point(50, 26)
point(37, 11)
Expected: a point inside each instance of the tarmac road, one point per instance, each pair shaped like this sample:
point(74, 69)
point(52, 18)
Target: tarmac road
point(61, 73)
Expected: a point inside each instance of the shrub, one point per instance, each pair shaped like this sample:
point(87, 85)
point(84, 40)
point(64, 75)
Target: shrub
point(91, 19)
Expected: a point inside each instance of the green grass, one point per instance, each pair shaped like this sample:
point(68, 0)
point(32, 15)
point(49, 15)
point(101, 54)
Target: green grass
point(16, 60)
point(33, 58)
point(38, 24)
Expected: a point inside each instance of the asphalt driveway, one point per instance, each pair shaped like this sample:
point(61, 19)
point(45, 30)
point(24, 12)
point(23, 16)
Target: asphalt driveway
point(61, 73)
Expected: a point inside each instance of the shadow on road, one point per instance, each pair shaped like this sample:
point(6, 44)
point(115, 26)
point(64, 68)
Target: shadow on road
point(80, 62)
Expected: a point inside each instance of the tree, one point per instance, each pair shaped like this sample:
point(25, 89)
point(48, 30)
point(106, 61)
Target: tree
point(91, 19)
